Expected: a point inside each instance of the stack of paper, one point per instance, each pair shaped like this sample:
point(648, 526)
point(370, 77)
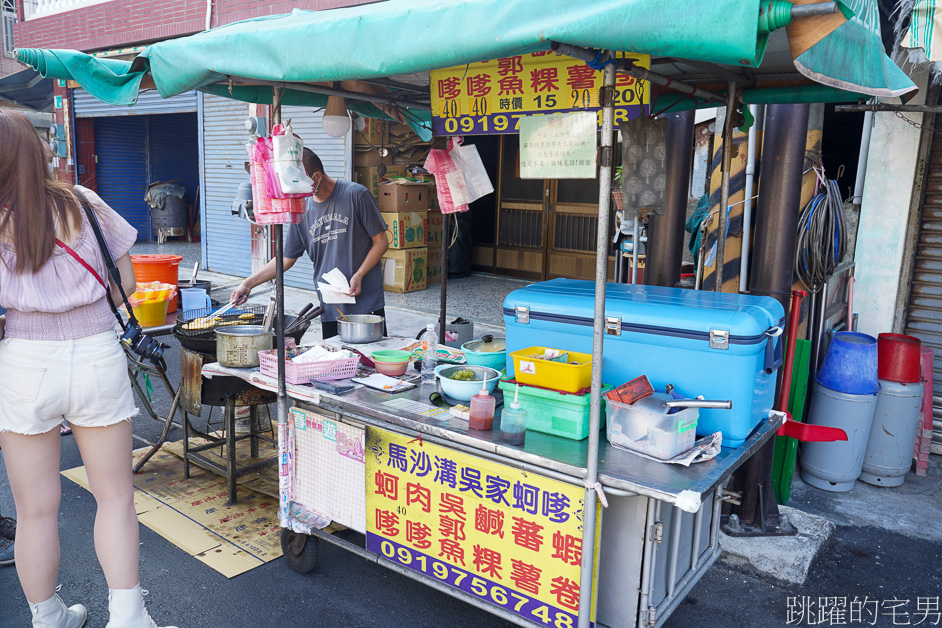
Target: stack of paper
point(335, 288)
point(320, 354)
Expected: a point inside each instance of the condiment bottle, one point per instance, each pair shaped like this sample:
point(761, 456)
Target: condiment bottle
point(482, 410)
point(513, 422)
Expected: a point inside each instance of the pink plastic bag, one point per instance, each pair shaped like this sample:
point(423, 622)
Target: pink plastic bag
point(449, 181)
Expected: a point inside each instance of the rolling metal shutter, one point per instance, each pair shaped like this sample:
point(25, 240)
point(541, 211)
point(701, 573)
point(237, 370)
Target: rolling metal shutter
point(121, 147)
point(87, 106)
point(227, 237)
point(174, 151)
point(924, 314)
point(337, 155)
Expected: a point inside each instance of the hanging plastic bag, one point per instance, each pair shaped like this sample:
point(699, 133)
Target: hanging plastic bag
point(468, 160)
point(286, 162)
point(449, 181)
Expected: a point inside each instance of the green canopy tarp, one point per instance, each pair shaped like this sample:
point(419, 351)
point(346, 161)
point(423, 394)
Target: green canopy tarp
point(853, 56)
point(407, 36)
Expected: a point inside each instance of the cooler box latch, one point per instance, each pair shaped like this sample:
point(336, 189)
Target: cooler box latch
point(522, 314)
point(613, 326)
point(719, 339)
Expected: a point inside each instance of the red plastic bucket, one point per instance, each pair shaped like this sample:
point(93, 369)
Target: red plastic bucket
point(165, 268)
point(898, 358)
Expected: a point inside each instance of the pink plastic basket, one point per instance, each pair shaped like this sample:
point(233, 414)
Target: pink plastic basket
point(303, 373)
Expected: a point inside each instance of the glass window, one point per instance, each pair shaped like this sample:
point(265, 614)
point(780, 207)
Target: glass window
point(7, 20)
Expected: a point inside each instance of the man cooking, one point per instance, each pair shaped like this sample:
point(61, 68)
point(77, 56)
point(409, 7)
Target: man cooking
point(342, 228)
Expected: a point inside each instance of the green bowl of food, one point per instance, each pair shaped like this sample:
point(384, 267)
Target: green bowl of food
point(391, 355)
point(462, 382)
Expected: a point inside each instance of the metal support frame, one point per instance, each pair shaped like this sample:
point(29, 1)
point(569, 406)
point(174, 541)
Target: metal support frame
point(628, 67)
point(280, 86)
point(442, 320)
point(758, 112)
point(230, 470)
point(598, 331)
point(136, 366)
point(278, 235)
point(720, 258)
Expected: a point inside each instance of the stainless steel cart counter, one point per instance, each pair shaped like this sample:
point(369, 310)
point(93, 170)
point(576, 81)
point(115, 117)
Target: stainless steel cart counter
point(659, 533)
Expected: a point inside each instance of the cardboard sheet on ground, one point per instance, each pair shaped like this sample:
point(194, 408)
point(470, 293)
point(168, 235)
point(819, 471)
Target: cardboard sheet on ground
point(192, 514)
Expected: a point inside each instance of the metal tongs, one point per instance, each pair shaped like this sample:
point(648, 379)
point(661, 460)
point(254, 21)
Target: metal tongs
point(206, 320)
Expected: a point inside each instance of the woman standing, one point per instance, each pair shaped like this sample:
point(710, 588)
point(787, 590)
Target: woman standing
point(60, 359)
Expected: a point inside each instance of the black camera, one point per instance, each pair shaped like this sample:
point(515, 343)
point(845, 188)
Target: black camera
point(144, 346)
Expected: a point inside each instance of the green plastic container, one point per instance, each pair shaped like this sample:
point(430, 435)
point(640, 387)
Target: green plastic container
point(555, 413)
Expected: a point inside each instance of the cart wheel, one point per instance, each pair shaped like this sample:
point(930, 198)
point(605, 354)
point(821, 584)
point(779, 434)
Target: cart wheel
point(300, 550)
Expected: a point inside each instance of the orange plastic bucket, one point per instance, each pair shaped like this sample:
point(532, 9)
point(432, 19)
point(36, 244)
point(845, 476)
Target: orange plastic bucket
point(163, 268)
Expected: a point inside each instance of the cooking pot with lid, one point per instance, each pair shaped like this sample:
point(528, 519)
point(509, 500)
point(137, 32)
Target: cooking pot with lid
point(238, 346)
point(488, 351)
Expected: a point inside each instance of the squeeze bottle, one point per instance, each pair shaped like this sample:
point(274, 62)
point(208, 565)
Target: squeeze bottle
point(482, 410)
point(513, 422)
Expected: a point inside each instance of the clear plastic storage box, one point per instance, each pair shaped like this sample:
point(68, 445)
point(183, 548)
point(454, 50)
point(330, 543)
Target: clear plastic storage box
point(646, 427)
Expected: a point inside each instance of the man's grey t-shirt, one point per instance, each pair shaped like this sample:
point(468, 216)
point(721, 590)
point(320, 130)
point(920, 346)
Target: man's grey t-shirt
point(338, 234)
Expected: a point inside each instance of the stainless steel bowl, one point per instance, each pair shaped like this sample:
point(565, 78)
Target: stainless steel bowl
point(361, 328)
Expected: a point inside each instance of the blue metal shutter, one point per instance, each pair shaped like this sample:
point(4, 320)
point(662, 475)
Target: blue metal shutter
point(174, 151)
point(227, 237)
point(121, 150)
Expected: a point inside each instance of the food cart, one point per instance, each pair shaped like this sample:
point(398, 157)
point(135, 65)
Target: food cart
point(658, 532)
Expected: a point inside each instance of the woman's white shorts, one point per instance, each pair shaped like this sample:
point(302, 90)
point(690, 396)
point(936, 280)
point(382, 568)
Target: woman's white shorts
point(84, 380)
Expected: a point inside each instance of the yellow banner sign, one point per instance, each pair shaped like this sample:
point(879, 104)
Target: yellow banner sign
point(511, 538)
point(490, 97)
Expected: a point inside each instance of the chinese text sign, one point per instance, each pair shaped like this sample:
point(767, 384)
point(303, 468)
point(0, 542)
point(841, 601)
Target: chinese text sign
point(490, 97)
point(558, 146)
point(507, 537)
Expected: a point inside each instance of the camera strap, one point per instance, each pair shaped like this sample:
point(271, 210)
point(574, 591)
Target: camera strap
point(113, 271)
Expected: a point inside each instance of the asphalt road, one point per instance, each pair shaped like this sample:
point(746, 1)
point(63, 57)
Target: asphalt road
point(348, 591)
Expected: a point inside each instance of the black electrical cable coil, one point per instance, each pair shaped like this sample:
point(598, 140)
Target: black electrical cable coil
point(822, 238)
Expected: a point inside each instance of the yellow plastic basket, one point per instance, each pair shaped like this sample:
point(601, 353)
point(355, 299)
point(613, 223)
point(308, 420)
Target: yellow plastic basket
point(570, 376)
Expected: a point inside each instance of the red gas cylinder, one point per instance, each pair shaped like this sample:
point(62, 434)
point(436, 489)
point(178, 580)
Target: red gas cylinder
point(898, 358)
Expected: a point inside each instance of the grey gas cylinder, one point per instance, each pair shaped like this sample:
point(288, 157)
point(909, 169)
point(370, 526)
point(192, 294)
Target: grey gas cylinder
point(836, 466)
point(890, 447)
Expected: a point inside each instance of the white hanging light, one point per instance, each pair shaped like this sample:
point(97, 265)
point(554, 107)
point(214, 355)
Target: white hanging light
point(336, 121)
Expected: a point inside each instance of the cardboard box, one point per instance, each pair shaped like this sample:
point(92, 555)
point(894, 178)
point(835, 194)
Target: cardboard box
point(396, 133)
point(433, 230)
point(406, 230)
point(370, 158)
point(403, 197)
point(371, 135)
point(369, 177)
point(405, 270)
point(434, 266)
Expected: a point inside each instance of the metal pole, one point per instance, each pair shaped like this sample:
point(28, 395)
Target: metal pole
point(446, 221)
point(628, 67)
point(635, 245)
point(327, 91)
point(720, 258)
point(601, 275)
point(747, 205)
point(664, 253)
point(862, 158)
point(279, 285)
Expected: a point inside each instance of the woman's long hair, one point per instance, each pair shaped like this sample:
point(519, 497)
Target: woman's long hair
point(35, 199)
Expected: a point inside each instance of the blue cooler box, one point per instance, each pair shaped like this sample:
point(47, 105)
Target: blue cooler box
point(719, 345)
